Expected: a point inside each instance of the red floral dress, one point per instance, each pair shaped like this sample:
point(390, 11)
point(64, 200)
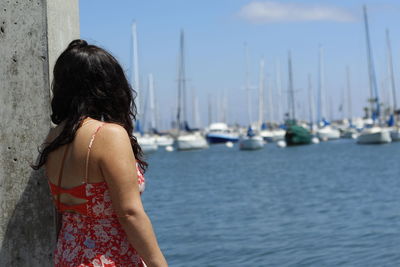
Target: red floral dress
point(95, 239)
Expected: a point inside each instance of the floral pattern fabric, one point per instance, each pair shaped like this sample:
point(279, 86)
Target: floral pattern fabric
point(97, 238)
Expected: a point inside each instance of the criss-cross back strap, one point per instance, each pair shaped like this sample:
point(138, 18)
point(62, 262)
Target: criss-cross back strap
point(88, 153)
point(60, 175)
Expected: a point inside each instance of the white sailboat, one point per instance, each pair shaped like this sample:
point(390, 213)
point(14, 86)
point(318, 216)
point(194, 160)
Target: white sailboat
point(395, 131)
point(253, 141)
point(159, 139)
point(146, 142)
point(328, 133)
point(278, 133)
point(267, 133)
point(374, 134)
point(349, 131)
point(325, 132)
point(314, 139)
point(186, 139)
point(271, 134)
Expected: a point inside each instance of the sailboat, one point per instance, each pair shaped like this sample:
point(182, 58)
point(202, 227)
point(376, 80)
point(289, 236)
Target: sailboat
point(252, 140)
point(187, 139)
point(374, 134)
point(326, 131)
point(155, 138)
point(314, 139)
point(271, 134)
point(295, 134)
point(146, 142)
point(395, 131)
point(349, 131)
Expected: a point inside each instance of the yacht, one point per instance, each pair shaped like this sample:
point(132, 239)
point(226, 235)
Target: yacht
point(219, 132)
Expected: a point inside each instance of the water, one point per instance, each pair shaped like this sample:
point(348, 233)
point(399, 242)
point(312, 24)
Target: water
point(332, 204)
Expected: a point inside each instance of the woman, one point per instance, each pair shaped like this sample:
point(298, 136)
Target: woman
point(95, 166)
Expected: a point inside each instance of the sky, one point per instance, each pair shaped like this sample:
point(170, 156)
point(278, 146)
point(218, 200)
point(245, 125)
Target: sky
point(215, 36)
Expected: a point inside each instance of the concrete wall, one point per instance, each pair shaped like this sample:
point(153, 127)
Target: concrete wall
point(26, 216)
point(61, 14)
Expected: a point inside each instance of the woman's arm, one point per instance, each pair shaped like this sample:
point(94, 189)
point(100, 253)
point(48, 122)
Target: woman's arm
point(118, 165)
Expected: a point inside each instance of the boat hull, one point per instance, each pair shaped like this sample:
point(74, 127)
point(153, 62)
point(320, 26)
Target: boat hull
point(273, 135)
point(191, 142)
point(328, 133)
point(147, 144)
point(221, 139)
point(297, 135)
point(251, 143)
point(379, 136)
point(164, 140)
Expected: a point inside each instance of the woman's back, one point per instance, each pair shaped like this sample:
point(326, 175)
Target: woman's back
point(90, 232)
point(74, 163)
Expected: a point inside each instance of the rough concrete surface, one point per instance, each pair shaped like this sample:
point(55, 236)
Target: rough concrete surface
point(27, 232)
point(56, 20)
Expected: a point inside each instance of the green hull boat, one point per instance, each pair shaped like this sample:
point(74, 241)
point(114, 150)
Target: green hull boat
point(297, 135)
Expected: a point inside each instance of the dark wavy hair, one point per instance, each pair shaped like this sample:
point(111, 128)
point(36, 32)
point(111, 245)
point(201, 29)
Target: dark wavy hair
point(89, 82)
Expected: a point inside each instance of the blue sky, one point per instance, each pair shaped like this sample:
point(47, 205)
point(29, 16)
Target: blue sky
point(216, 31)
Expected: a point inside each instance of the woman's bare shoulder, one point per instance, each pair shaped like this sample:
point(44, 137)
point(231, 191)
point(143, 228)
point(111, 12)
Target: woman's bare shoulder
point(114, 134)
point(114, 145)
point(114, 130)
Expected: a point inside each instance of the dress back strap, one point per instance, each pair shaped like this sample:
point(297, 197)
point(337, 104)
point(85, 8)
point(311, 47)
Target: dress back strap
point(60, 175)
point(88, 153)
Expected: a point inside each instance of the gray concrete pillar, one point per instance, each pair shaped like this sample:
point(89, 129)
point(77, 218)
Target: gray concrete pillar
point(32, 34)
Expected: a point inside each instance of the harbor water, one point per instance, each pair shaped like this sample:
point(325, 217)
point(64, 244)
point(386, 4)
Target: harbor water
point(331, 204)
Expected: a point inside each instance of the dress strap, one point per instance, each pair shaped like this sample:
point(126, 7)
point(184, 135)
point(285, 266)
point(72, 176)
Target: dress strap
point(60, 175)
point(88, 153)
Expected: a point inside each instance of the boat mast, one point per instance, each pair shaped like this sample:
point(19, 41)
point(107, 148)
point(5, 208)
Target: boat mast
point(181, 114)
point(270, 107)
point(321, 95)
point(261, 95)
point(248, 84)
point(209, 110)
point(279, 88)
point(195, 110)
point(152, 103)
point(224, 107)
point(292, 112)
point(371, 71)
point(311, 102)
point(135, 74)
point(349, 101)
point(391, 72)
point(183, 77)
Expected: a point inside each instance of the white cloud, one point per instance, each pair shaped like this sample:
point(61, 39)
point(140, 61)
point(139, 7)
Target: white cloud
point(269, 12)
